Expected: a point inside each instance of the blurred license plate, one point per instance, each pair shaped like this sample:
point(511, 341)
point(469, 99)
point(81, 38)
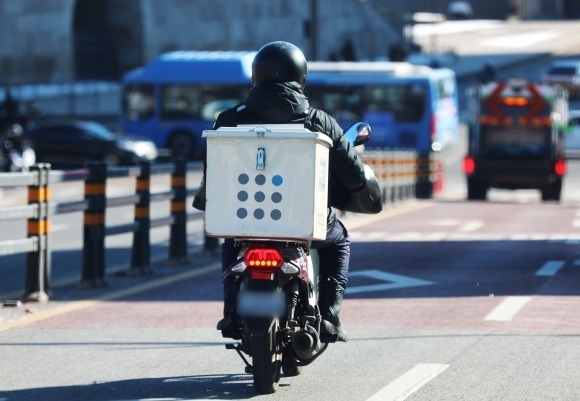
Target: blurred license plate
point(254, 303)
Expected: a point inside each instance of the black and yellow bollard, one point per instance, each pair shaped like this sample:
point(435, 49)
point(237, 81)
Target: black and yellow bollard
point(424, 182)
point(178, 233)
point(37, 282)
point(93, 272)
point(141, 250)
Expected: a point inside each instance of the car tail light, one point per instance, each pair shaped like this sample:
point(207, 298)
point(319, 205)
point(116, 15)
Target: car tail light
point(262, 262)
point(560, 167)
point(468, 164)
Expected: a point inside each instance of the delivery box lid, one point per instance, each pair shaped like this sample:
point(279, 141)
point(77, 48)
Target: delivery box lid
point(273, 131)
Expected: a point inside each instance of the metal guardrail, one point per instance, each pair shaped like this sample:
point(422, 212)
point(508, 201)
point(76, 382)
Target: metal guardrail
point(401, 174)
point(39, 210)
point(405, 174)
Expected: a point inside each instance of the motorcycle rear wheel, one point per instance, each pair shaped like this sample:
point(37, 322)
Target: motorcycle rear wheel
point(266, 361)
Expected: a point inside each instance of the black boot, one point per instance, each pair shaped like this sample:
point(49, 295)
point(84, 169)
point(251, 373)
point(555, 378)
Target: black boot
point(330, 294)
point(230, 325)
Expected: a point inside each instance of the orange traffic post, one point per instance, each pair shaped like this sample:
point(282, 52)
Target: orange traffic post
point(141, 250)
point(93, 272)
point(178, 233)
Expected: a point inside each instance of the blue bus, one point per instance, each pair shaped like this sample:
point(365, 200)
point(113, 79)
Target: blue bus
point(408, 106)
point(179, 94)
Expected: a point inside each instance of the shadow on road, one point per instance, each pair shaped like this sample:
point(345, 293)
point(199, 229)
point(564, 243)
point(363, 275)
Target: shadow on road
point(219, 387)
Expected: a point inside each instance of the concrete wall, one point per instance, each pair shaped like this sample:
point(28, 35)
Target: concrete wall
point(38, 43)
point(35, 40)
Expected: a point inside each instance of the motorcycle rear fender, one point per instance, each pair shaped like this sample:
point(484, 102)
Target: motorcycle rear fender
point(259, 325)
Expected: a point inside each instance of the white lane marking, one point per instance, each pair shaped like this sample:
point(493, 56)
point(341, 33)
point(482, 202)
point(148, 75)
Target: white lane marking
point(550, 268)
point(445, 222)
point(410, 382)
point(507, 309)
point(520, 40)
point(471, 226)
point(393, 281)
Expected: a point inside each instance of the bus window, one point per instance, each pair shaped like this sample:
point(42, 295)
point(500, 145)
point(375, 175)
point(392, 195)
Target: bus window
point(138, 102)
point(406, 102)
point(446, 87)
point(203, 102)
point(180, 101)
point(216, 98)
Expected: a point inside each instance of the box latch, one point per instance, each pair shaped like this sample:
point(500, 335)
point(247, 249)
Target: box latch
point(261, 159)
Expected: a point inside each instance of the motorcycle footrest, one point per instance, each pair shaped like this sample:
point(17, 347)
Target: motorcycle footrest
point(237, 347)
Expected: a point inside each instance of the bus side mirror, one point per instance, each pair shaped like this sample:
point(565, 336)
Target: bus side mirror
point(358, 134)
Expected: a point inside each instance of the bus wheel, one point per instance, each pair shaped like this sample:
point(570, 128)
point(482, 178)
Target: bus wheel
point(181, 145)
point(552, 192)
point(476, 190)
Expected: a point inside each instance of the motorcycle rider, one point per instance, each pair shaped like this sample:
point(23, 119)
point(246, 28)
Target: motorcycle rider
point(488, 73)
point(279, 72)
point(11, 139)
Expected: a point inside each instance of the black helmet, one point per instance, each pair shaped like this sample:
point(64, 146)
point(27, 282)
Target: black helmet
point(279, 61)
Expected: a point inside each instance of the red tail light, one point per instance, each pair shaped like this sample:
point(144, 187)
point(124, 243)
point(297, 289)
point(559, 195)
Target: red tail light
point(560, 167)
point(468, 164)
point(433, 127)
point(262, 262)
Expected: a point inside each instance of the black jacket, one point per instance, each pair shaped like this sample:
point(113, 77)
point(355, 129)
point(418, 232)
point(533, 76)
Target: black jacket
point(283, 103)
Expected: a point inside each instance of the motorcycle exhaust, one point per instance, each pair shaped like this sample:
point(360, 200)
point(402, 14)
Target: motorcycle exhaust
point(306, 343)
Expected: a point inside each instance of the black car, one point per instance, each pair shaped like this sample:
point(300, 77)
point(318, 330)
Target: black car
point(71, 143)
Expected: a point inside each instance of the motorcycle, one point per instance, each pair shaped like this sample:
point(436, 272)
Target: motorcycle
point(277, 296)
point(16, 154)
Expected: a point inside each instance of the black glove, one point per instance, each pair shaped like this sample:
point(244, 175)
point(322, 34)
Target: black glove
point(199, 198)
point(367, 199)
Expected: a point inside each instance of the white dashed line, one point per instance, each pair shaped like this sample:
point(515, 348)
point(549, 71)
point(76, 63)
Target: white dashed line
point(550, 268)
point(471, 226)
point(507, 309)
point(414, 379)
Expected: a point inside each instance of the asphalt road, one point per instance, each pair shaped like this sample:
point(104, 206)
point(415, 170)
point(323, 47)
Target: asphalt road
point(464, 300)
point(447, 300)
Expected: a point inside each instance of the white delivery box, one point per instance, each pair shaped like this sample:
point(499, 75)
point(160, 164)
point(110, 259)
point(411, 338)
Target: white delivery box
point(267, 181)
